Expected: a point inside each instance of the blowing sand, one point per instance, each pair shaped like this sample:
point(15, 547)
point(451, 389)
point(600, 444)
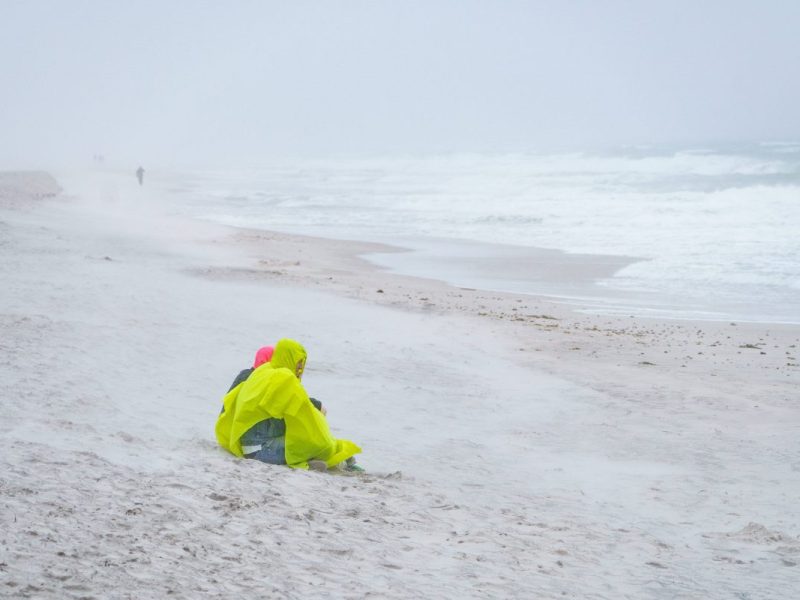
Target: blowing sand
point(514, 447)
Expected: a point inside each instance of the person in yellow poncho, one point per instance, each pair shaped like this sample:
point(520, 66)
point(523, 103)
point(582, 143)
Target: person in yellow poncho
point(270, 417)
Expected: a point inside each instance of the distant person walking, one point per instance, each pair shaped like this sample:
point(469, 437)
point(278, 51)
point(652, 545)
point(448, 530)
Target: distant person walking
point(140, 175)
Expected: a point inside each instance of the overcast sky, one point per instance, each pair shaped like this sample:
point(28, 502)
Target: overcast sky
point(171, 82)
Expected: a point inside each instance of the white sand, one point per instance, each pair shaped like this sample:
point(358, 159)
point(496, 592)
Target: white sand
point(514, 448)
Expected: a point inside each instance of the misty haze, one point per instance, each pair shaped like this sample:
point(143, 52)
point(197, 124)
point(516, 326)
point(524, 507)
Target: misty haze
point(444, 299)
point(186, 82)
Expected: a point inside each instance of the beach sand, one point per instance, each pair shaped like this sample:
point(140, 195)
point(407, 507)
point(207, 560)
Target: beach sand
point(515, 447)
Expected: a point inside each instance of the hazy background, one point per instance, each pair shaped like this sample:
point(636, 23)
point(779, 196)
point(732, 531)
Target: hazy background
point(188, 82)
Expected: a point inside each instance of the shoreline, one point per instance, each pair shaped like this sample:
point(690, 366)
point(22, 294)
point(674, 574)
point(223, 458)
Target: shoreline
point(529, 271)
point(340, 266)
point(570, 278)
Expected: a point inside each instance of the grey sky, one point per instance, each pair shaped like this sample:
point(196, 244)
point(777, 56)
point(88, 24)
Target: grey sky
point(173, 82)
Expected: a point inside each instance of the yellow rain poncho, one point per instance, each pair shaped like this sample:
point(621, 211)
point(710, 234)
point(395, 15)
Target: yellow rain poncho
point(273, 391)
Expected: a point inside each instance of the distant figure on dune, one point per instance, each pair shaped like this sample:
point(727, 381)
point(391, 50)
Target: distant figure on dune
point(267, 415)
point(140, 175)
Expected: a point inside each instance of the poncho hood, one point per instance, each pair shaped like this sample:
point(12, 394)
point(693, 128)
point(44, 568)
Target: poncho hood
point(287, 354)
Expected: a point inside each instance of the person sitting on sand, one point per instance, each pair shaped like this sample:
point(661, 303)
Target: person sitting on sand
point(269, 417)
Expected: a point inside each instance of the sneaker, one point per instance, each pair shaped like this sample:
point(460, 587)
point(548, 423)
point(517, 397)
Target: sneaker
point(350, 465)
point(317, 465)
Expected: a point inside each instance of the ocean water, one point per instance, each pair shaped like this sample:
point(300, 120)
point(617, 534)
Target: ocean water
point(715, 231)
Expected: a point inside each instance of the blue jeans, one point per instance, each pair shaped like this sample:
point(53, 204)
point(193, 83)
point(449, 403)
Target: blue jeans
point(273, 452)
